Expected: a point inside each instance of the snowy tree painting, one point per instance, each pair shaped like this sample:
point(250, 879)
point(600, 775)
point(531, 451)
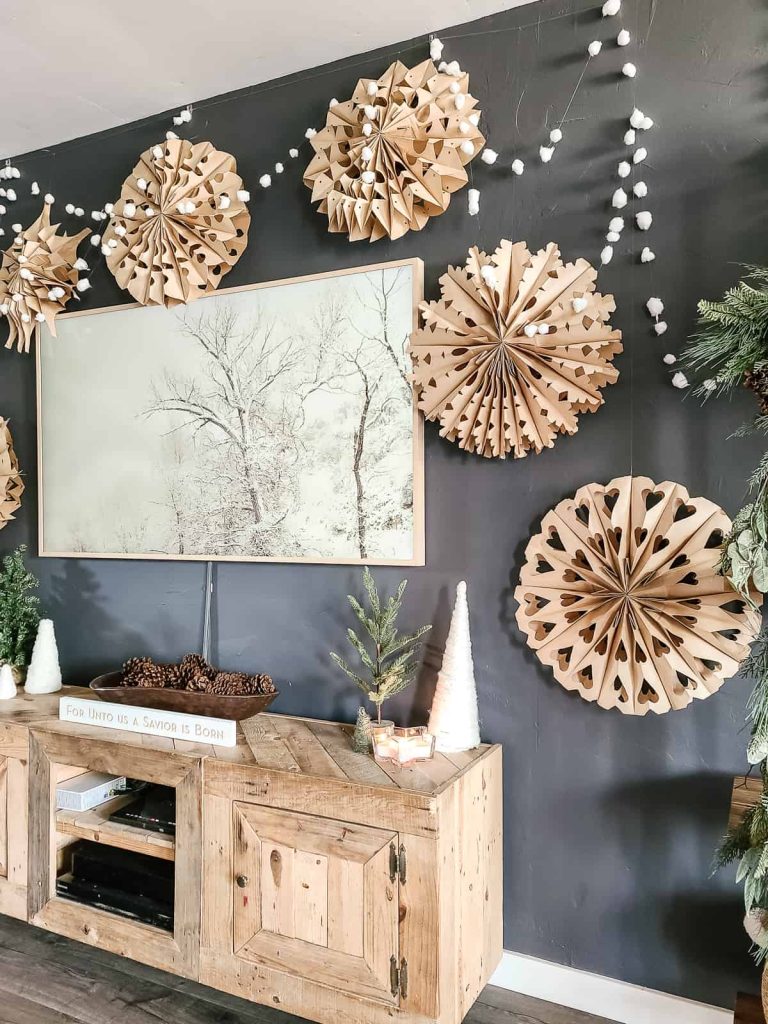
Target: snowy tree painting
point(270, 423)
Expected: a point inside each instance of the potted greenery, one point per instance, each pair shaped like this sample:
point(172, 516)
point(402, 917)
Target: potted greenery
point(19, 614)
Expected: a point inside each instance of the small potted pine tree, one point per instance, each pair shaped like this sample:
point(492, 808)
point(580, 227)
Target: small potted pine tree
point(19, 613)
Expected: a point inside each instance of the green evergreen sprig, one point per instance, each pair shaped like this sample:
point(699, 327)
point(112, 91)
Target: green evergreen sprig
point(19, 610)
point(390, 664)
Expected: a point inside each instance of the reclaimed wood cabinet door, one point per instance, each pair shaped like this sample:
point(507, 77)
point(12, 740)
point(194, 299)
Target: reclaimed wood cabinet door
point(317, 898)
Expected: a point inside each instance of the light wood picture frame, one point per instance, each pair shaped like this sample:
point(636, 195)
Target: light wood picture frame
point(273, 422)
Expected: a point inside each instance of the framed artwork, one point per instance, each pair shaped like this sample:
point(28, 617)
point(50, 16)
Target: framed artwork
point(271, 423)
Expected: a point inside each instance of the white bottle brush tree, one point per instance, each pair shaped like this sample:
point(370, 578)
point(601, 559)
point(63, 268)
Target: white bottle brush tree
point(389, 662)
point(453, 719)
point(44, 673)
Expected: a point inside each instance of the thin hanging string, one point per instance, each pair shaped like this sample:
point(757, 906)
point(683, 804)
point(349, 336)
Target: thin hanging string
point(207, 611)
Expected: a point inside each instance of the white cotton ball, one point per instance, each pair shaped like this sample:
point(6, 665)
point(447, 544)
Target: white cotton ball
point(17, 297)
point(177, 121)
point(181, 208)
point(655, 306)
point(468, 148)
point(372, 88)
point(647, 124)
point(473, 202)
point(613, 236)
point(83, 284)
point(25, 318)
point(579, 305)
point(26, 274)
point(366, 154)
point(623, 38)
point(96, 215)
point(149, 211)
point(518, 166)
point(616, 224)
point(2, 209)
point(105, 250)
point(543, 328)
point(474, 118)
point(142, 184)
point(39, 317)
point(95, 239)
point(442, 66)
point(16, 227)
point(18, 239)
point(185, 115)
point(640, 155)
point(310, 133)
point(647, 255)
point(189, 207)
point(112, 243)
point(244, 195)
point(293, 153)
point(555, 136)
point(679, 380)
point(367, 129)
point(640, 189)
point(120, 231)
point(157, 153)
point(644, 219)
point(594, 48)
point(70, 208)
point(611, 7)
point(48, 198)
point(370, 112)
point(171, 135)
point(129, 210)
point(333, 103)
point(636, 118)
point(489, 156)
point(79, 211)
point(279, 168)
point(669, 359)
point(660, 327)
point(15, 172)
point(454, 68)
point(629, 137)
point(435, 48)
point(459, 100)
point(619, 200)
point(21, 258)
point(464, 127)
point(265, 180)
point(629, 70)
point(368, 177)
point(488, 274)
point(454, 87)
point(80, 264)
point(530, 330)
point(607, 254)
point(34, 188)
point(546, 153)
point(3, 192)
point(624, 169)
point(52, 295)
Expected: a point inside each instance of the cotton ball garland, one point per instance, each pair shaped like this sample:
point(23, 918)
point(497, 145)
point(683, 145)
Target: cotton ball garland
point(129, 210)
point(623, 38)
point(79, 211)
point(367, 129)
point(620, 199)
point(594, 48)
point(83, 284)
point(555, 136)
point(606, 255)
point(669, 359)
point(279, 168)
point(80, 264)
point(629, 70)
point(48, 198)
point(644, 219)
point(613, 236)
point(629, 137)
point(293, 153)
point(244, 195)
point(142, 184)
point(95, 239)
point(616, 224)
point(368, 177)
point(10, 194)
point(185, 115)
point(636, 118)
point(640, 155)
point(70, 208)
point(467, 147)
point(518, 166)
point(310, 133)
point(16, 227)
point(647, 255)
point(640, 189)
point(34, 188)
point(579, 304)
point(157, 152)
point(530, 330)
point(546, 152)
point(624, 169)
point(370, 112)
point(265, 180)
point(459, 100)
point(654, 306)
point(679, 380)
point(489, 156)
point(488, 275)
point(660, 327)
point(611, 7)
point(171, 135)
point(435, 48)
point(473, 201)
point(647, 124)
point(474, 118)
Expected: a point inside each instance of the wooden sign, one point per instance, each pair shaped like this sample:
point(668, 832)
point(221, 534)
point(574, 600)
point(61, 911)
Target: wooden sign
point(173, 724)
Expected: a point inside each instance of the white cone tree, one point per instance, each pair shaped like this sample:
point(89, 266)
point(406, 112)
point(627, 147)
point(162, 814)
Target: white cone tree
point(44, 673)
point(453, 718)
point(7, 683)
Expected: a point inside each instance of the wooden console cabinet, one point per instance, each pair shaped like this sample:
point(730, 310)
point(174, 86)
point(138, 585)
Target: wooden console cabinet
point(308, 878)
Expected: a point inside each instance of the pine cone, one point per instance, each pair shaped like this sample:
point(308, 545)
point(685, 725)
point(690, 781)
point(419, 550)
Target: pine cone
point(757, 381)
point(193, 668)
point(239, 684)
point(134, 669)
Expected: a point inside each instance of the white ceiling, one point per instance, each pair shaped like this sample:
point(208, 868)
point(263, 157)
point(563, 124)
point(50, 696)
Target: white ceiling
point(81, 66)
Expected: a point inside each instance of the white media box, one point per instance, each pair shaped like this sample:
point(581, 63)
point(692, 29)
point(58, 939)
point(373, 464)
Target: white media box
point(87, 791)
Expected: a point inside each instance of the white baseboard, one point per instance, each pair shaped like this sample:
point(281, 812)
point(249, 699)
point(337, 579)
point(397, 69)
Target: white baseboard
point(604, 997)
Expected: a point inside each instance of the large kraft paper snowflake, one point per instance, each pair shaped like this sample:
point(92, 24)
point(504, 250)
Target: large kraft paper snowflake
point(620, 595)
point(179, 225)
point(390, 158)
point(517, 346)
point(11, 484)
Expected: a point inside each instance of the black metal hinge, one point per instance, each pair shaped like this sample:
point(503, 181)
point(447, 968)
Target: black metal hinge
point(397, 862)
point(398, 977)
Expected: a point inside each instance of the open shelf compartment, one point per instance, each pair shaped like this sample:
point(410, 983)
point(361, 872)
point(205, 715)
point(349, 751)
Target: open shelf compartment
point(96, 826)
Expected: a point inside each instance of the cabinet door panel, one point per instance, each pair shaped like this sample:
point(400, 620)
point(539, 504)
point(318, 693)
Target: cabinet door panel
point(313, 897)
point(3, 817)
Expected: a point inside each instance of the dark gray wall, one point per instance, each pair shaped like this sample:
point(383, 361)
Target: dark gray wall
point(610, 821)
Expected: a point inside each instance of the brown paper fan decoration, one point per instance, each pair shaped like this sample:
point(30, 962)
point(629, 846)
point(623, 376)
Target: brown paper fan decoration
point(179, 225)
point(37, 278)
point(11, 484)
point(620, 594)
point(420, 134)
point(517, 346)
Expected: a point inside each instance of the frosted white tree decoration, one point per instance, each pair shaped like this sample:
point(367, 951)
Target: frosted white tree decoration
point(453, 718)
point(7, 683)
point(44, 673)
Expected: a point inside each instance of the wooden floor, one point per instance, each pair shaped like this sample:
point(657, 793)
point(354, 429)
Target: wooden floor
point(46, 979)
